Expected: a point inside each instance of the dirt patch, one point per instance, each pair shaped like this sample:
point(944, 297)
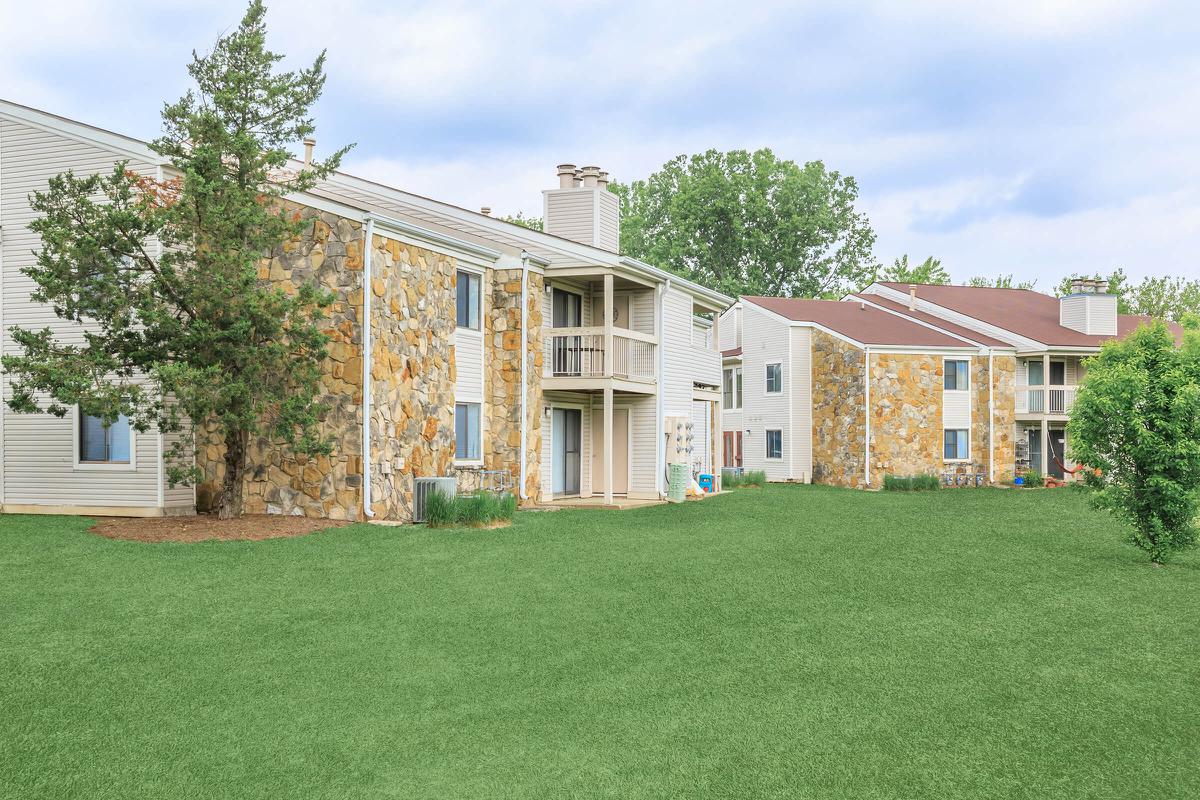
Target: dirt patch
point(478, 526)
point(206, 527)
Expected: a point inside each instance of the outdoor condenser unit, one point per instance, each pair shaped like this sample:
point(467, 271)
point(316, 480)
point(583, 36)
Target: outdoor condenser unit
point(422, 488)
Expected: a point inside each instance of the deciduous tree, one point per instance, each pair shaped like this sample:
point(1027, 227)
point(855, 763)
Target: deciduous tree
point(1137, 419)
point(750, 223)
point(929, 271)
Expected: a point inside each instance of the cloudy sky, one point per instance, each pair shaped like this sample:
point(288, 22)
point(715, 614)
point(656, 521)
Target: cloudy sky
point(1037, 139)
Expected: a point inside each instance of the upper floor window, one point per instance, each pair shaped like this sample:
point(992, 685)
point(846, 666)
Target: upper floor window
point(467, 300)
point(566, 310)
point(104, 444)
point(957, 375)
point(774, 378)
point(1036, 373)
point(731, 387)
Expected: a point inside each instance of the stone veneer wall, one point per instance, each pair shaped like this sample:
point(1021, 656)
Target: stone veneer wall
point(838, 420)
point(412, 371)
point(906, 415)
point(412, 379)
point(328, 252)
point(502, 386)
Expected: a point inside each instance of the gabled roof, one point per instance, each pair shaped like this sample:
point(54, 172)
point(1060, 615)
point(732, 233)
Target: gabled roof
point(859, 322)
point(950, 327)
point(1024, 312)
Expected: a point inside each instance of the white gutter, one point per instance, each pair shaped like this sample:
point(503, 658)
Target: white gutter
point(991, 422)
point(524, 457)
point(660, 451)
point(867, 412)
point(368, 233)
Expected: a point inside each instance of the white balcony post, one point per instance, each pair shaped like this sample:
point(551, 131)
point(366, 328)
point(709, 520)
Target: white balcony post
point(609, 353)
point(608, 442)
point(1045, 446)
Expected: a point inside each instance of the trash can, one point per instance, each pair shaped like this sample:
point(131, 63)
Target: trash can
point(678, 477)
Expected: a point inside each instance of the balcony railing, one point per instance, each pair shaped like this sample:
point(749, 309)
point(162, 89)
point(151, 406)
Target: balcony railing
point(579, 353)
point(1047, 400)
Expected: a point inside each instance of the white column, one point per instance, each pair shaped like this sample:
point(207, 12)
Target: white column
point(1045, 411)
point(1045, 447)
point(608, 326)
point(608, 443)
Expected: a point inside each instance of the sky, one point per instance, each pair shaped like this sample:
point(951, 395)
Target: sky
point(1037, 139)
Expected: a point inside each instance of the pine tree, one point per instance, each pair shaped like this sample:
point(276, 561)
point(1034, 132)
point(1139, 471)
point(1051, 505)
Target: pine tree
point(182, 335)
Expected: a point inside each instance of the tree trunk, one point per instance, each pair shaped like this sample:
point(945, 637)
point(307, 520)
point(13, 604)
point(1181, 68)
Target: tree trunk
point(235, 468)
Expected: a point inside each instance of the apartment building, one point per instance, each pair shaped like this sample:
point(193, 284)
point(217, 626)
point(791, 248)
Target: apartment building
point(462, 345)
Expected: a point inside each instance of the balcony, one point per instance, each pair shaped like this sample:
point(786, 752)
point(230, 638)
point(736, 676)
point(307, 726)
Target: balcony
point(1053, 400)
point(578, 353)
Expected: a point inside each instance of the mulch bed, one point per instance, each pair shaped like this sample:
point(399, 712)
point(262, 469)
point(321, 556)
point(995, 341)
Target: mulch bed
point(206, 527)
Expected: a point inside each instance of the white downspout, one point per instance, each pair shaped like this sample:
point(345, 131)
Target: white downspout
point(366, 367)
point(524, 358)
point(991, 422)
point(660, 451)
point(867, 413)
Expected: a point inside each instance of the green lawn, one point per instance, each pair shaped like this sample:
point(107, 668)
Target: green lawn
point(785, 642)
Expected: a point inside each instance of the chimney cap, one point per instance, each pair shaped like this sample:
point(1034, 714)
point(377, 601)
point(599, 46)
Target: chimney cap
point(486, 211)
point(566, 176)
point(591, 176)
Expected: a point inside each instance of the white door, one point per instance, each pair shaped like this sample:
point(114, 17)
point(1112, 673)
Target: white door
point(620, 451)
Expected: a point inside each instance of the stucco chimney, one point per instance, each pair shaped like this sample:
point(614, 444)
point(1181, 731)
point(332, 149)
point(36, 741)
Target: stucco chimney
point(582, 208)
point(912, 297)
point(309, 145)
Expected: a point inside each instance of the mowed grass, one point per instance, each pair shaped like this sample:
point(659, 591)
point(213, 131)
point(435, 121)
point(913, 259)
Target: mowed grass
point(781, 642)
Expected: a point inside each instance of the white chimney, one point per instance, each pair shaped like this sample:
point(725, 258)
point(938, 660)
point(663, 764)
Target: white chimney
point(1089, 308)
point(582, 208)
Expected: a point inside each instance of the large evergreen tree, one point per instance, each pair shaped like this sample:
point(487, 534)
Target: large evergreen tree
point(181, 332)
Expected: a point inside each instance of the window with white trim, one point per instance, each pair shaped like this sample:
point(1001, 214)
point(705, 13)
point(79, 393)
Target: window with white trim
point(775, 444)
point(467, 434)
point(957, 375)
point(956, 444)
point(731, 384)
point(774, 378)
point(467, 300)
point(104, 444)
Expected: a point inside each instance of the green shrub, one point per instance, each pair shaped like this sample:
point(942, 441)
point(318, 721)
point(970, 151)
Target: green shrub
point(1034, 479)
point(473, 510)
point(736, 480)
point(911, 483)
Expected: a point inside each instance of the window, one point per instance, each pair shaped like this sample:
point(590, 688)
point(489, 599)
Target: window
point(774, 378)
point(1036, 376)
point(468, 300)
point(775, 444)
point(466, 432)
point(957, 373)
point(567, 310)
point(956, 445)
point(103, 444)
point(1058, 373)
point(731, 385)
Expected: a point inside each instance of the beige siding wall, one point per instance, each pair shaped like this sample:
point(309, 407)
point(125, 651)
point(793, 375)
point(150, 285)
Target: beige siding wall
point(38, 450)
point(468, 365)
point(676, 380)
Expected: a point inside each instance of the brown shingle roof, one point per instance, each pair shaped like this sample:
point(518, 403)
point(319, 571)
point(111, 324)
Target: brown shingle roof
point(859, 322)
point(967, 333)
point(731, 352)
point(1022, 311)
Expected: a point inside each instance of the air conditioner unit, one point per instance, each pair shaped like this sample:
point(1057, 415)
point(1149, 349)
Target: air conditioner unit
point(422, 488)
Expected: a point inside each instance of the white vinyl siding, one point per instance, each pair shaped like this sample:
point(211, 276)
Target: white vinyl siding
point(641, 306)
point(38, 449)
point(677, 354)
point(643, 457)
point(730, 329)
point(799, 443)
point(956, 403)
point(468, 365)
point(765, 340)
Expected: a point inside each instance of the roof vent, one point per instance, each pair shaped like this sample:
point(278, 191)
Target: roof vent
point(912, 297)
point(486, 211)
